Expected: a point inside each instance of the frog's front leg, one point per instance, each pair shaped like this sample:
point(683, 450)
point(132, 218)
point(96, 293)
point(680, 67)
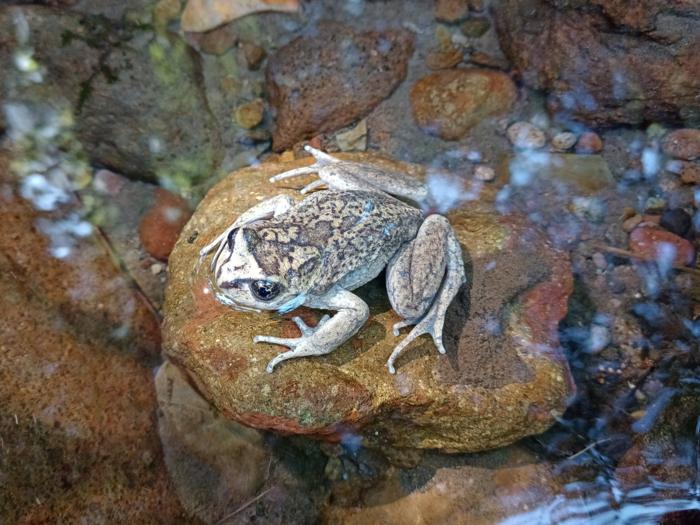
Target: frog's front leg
point(422, 280)
point(352, 312)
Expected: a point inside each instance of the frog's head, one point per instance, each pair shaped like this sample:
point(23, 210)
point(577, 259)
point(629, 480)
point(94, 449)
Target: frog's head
point(246, 283)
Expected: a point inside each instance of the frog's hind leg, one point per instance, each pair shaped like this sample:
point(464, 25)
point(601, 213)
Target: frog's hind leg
point(422, 280)
point(322, 160)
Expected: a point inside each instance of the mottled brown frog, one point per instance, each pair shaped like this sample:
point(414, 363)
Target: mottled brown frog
point(282, 254)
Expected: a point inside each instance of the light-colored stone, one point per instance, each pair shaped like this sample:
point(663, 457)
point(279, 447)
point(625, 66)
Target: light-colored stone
point(524, 135)
point(203, 15)
point(484, 173)
point(354, 139)
point(563, 141)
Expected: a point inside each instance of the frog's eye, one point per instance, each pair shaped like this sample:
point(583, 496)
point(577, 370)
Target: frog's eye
point(265, 290)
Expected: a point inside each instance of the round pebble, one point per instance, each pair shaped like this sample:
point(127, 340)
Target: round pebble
point(484, 173)
point(524, 135)
point(682, 144)
point(589, 142)
point(563, 141)
point(653, 243)
point(600, 261)
point(676, 221)
point(631, 223)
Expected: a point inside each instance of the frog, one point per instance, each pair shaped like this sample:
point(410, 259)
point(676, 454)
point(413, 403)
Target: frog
point(354, 221)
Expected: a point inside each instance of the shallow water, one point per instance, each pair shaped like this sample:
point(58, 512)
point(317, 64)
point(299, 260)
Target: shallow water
point(120, 383)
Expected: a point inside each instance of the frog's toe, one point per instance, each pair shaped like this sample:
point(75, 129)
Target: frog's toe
point(283, 341)
point(307, 330)
point(401, 324)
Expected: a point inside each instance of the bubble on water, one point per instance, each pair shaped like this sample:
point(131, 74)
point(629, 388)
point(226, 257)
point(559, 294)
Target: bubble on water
point(63, 233)
point(445, 190)
point(665, 255)
point(155, 145)
point(526, 165)
point(654, 410)
point(651, 162)
point(351, 442)
point(42, 194)
point(474, 156)
point(354, 7)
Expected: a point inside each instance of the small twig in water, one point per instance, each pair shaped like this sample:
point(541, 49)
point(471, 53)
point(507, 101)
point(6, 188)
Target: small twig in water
point(244, 506)
point(589, 447)
point(631, 255)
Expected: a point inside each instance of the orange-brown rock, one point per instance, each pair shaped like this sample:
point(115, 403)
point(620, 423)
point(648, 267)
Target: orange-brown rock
point(77, 345)
point(503, 376)
point(160, 227)
point(655, 244)
point(607, 62)
point(682, 144)
point(449, 103)
point(328, 79)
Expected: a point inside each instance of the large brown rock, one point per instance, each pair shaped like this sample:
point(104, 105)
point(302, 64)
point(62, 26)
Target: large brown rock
point(608, 63)
point(138, 102)
point(325, 80)
point(449, 103)
point(503, 377)
point(77, 342)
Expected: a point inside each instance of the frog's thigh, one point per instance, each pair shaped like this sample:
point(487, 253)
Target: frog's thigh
point(414, 274)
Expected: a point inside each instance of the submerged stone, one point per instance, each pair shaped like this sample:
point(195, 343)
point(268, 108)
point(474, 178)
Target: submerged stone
point(326, 80)
point(449, 103)
point(503, 376)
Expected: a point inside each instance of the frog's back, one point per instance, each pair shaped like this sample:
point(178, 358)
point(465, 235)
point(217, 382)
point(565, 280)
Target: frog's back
point(331, 235)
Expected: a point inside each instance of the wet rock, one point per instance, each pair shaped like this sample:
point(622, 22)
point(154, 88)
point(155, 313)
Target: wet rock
point(78, 435)
point(451, 10)
point(563, 141)
point(203, 15)
point(654, 244)
point(480, 58)
point(444, 58)
point(250, 114)
point(475, 27)
point(589, 142)
point(487, 392)
point(449, 103)
point(682, 144)
point(354, 138)
point(637, 67)
point(215, 42)
point(660, 456)
point(161, 226)
point(254, 55)
point(676, 221)
point(138, 105)
point(524, 135)
point(691, 174)
point(497, 487)
point(632, 222)
point(589, 174)
point(329, 78)
point(655, 205)
point(216, 465)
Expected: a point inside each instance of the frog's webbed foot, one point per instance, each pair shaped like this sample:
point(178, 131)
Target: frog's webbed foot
point(328, 334)
point(322, 160)
point(299, 346)
point(433, 321)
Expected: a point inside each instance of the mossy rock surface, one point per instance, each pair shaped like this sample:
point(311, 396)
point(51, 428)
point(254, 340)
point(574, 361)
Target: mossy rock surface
point(503, 376)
